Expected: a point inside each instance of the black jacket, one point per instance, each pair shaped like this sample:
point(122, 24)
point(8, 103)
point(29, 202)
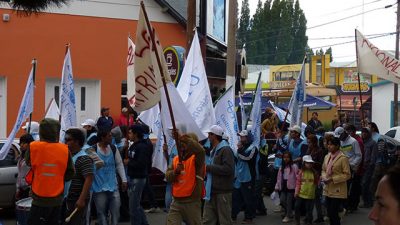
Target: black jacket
point(138, 165)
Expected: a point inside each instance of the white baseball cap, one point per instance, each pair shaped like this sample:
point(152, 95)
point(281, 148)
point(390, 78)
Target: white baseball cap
point(338, 131)
point(89, 122)
point(217, 130)
point(34, 127)
point(243, 133)
point(295, 128)
point(308, 158)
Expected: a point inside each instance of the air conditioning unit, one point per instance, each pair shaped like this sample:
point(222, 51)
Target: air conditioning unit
point(6, 17)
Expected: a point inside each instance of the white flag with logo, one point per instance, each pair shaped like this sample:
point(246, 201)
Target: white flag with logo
point(372, 60)
point(130, 67)
point(25, 109)
point(255, 115)
point(194, 89)
point(298, 98)
point(225, 116)
point(67, 97)
point(52, 111)
point(147, 72)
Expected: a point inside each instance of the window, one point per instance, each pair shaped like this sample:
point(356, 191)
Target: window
point(57, 94)
point(391, 133)
point(83, 98)
point(11, 157)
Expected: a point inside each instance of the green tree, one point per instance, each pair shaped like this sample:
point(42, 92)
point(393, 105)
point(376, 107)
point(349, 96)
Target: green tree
point(284, 40)
point(244, 24)
point(329, 51)
point(255, 38)
point(300, 39)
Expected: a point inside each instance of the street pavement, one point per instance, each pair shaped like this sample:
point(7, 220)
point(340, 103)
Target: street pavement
point(358, 217)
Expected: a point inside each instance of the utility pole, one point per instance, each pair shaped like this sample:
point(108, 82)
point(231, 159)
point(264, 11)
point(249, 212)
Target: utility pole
point(190, 23)
point(396, 86)
point(231, 51)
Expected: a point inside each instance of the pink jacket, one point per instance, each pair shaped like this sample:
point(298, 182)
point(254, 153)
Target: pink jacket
point(291, 175)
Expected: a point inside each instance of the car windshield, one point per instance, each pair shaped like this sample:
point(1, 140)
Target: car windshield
point(10, 158)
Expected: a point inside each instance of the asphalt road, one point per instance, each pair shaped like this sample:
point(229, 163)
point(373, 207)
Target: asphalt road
point(359, 217)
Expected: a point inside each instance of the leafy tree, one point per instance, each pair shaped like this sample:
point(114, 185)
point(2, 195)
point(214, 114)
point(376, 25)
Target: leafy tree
point(244, 24)
point(284, 42)
point(329, 51)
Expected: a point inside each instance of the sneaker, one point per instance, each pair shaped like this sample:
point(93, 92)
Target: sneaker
point(319, 220)
point(278, 209)
point(247, 221)
point(326, 219)
point(342, 213)
point(286, 220)
point(152, 210)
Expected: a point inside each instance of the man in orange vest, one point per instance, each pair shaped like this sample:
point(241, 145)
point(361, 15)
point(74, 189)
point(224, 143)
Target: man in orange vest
point(51, 165)
point(187, 178)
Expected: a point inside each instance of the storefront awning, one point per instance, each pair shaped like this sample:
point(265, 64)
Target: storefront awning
point(347, 101)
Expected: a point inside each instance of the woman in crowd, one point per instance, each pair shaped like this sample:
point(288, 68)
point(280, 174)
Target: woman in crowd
point(335, 173)
point(387, 206)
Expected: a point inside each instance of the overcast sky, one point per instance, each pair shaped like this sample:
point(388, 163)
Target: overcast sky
point(319, 12)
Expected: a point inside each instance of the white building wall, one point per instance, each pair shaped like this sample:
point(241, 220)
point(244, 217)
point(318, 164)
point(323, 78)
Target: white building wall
point(117, 9)
point(382, 96)
point(3, 107)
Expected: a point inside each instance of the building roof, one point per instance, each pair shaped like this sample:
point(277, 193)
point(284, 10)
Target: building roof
point(382, 82)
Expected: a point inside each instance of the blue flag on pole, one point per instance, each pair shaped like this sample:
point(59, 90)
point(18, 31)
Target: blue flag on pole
point(298, 98)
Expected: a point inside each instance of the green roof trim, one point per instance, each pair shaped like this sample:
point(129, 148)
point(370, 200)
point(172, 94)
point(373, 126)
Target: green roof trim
point(249, 87)
point(382, 82)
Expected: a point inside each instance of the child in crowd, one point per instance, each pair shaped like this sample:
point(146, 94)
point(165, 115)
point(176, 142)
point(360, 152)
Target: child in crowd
point(307, 180)
point(286, 184)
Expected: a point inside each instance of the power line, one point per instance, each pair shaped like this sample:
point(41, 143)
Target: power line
point(319, 47)
point(350, 8)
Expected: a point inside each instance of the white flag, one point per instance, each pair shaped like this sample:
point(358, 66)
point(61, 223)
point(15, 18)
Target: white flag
point(255, 115)
point(282, 113)
point(25, 109)
point(372, 60)
point(130, 67)
point(225, 116)
point(53, 111)
point(147, 72)
point(242, 112)
point(194, 89)
point(67, 97)
point(298, 98)
point(181, 113)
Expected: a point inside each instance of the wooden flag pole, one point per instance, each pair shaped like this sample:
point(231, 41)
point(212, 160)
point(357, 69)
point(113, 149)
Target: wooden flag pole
point(151, 31)
point(359, 85)
point(34, 62)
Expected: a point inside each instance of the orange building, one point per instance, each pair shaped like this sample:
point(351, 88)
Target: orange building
point(97, 32)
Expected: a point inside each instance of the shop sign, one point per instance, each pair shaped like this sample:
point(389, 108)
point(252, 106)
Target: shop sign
point(281, 84)
point(353, 87)
point(174, 58)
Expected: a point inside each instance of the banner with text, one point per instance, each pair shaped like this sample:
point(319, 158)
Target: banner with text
point(372, 60)
point(130, 69)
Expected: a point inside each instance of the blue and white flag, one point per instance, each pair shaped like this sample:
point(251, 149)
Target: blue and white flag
point(255, 115)
point(25, 109)
point(298, 98)
point(225, 116)
point(242, 112)
point(67, 97)
point(194, 89)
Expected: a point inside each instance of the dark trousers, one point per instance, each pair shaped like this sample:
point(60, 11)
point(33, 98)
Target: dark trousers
point(308, 205)
point(319, 206)
point(44, 215)
point(333, 206)
point(260, 206)
point(366, 192)
point(355, 192)
point(148, 191)
point(244, 196)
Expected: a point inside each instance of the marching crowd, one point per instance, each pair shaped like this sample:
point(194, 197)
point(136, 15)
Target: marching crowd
point(103, 169)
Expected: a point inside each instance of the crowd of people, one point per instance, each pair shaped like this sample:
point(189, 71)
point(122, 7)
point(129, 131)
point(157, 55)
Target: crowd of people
point(103, 170)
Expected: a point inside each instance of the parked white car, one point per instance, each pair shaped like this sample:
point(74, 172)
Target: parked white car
point(394, 132)
point(8, 175)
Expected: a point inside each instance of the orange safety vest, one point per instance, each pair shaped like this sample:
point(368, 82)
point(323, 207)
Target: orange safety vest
point(49, 163)
point(186, 181)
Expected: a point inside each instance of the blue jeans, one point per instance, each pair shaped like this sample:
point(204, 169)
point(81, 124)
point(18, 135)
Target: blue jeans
point(168, 196)
point(105, 202)
point(135, 195)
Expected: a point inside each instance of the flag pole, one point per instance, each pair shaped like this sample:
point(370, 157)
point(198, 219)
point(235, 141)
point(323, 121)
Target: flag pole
point(252, 100)
point(216, 101)
point(359, 84)
point(34, 63)
point(151, 31)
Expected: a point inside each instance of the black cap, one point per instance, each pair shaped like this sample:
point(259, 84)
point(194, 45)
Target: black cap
point(103, 109)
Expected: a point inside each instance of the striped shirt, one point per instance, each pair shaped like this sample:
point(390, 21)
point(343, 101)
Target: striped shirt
point(83, 167)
